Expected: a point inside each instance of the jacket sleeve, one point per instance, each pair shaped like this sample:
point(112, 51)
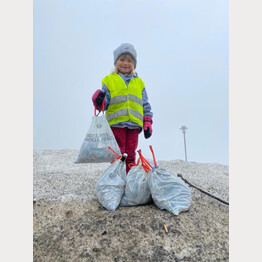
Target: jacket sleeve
point(146, 106)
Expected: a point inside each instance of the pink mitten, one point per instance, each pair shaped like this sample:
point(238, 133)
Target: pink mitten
point(98, 99)
point(147, 126)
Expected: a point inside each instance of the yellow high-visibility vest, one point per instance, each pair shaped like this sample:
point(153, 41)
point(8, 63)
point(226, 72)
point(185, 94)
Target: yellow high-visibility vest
point(126, 102)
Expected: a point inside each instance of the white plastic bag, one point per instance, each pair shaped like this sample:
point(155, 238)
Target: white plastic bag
point(111, 185)
point(95, 145)
point(137, 191)
point(169, 191)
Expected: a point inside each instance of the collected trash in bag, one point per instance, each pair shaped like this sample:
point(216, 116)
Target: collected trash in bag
point(111, 184)
point(169, 191)
point(137, 191)
point(94, 148)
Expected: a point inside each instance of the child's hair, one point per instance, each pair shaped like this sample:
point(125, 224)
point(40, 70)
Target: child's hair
point(115, 70)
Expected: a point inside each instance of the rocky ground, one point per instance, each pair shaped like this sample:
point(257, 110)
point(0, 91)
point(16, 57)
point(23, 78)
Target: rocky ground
point(70, 224)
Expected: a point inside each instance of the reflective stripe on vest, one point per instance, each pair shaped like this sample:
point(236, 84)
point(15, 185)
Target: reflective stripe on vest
point(124, 112)
point(135, 99)
point(120, 99)
point(126, 102)
point(136, 114)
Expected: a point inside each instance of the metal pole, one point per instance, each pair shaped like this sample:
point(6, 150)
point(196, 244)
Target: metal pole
point(185, 145)
point(183, 128)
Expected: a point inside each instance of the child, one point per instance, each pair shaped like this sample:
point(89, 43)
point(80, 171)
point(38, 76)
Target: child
point(124, 97)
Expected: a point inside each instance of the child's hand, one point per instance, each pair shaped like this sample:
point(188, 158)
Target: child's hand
point(98, 98)
point(147, 126)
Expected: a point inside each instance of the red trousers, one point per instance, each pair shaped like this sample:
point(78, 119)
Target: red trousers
point(127, 140)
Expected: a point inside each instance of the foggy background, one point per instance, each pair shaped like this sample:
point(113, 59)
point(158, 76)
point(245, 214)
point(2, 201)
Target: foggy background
point(182, 49)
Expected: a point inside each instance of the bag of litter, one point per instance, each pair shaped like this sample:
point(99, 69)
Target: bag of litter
point(137, 191)
point(169, 191)
point(111, 184)
point(94, 148)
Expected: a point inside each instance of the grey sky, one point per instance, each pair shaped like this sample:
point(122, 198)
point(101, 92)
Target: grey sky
point(182, 49)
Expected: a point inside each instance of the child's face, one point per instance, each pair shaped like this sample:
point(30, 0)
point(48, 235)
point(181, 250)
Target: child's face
point(125, 64)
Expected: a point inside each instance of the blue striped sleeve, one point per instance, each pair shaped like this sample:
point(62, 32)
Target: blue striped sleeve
point(146, 106)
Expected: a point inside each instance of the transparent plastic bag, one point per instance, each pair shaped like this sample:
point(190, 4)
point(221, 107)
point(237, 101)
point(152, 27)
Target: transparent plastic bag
point(169, 191)
point(111, 184)
point(94, 148)
point(137, 191)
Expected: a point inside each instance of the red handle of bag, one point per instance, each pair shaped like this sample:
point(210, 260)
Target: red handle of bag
point(151, 148)
point(103, 109)
point(130, 165)
point(118, 156)
point(147, 167)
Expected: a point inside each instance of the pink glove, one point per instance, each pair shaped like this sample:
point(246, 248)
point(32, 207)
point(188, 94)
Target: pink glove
point(147, 126)
point(98, 99)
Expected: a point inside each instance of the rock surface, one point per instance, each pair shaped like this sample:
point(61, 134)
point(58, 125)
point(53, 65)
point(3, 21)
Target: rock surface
point(70, 224)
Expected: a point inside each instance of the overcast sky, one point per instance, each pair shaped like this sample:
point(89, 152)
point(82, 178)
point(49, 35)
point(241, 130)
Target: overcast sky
point(182, 49)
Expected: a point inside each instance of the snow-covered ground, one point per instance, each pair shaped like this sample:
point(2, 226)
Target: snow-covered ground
point(71, 225)
point(57, 177)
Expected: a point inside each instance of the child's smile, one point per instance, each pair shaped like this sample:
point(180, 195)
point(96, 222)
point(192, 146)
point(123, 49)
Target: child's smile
point(125, 64)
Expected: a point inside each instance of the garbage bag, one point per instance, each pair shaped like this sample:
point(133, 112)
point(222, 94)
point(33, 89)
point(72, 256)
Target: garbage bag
point(99, 137)
point(169, 191)
point(111, 185)
point(137, 191)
